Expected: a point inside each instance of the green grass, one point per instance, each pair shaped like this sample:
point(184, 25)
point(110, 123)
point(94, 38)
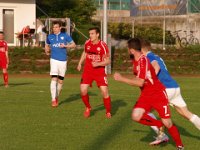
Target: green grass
point(27, 121)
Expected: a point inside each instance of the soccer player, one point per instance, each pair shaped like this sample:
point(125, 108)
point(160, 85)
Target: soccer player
point(96, 57)
point(4, 59)
point(172, 88)
point(152, 95)
point(57, 45)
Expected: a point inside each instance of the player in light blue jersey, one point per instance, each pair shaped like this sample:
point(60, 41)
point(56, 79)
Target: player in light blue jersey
point(57, 44)
point(172, 88)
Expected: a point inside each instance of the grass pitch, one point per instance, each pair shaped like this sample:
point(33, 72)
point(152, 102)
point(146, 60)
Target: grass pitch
point(28, 122)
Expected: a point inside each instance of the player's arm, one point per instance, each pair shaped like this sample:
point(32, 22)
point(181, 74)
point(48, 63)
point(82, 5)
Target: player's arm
point(105, 62)
point(7, 58)
point(135, 81)
point(70, 45)
point(83, 55)
point(155, 66)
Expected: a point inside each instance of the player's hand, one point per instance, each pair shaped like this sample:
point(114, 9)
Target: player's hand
point(47, 52)
point(117, 76)
point(79, 67)
point(95, 64)
point(62, 45)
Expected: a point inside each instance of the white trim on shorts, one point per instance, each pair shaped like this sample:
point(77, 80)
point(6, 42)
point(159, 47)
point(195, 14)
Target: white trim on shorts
point(175, 98)
point(58, 67)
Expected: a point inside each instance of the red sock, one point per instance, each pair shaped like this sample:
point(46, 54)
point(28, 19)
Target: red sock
point(85, 100)
point(149, 121)
point(5, 77)
point(173, 131)
point(107, 104)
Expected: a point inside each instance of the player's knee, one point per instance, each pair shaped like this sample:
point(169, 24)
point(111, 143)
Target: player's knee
point(167, 123)
point(136, 117)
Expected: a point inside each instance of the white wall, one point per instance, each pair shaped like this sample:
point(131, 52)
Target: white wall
point(24, 14)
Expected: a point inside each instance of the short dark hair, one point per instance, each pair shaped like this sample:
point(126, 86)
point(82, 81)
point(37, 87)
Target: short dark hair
point(134, 43)
point(95, 28)
point(57, 22)
point(1, 32)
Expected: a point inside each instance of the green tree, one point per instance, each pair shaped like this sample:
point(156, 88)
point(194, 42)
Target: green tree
point(79, 11)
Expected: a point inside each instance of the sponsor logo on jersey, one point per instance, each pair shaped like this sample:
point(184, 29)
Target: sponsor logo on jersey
point(56, 45)
point(62, 37)
point(98, 48)
point(88, 47)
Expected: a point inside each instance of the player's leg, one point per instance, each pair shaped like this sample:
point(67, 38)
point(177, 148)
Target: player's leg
point(85, 99)
point(5, 77)
point(178, 102)
point(102, 83)
point(54, 79)
point(164, 112)
point(62, 67)
point(106, 100)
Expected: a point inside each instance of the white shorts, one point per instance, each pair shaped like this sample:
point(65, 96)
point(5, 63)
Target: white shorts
point(175, 98)
point(58, 67)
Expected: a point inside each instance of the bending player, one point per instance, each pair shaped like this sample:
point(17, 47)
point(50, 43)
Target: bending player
point(172, 90)
point(153, 93)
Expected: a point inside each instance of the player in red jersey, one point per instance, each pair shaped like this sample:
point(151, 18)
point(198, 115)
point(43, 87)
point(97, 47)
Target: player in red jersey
point(96, 57)
point(4, 59)
point(153, 95)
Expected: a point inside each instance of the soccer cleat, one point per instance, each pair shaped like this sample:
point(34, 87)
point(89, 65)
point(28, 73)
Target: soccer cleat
point(180, 148)
point(161, 137)
point(108, 115)
point(87, 112)
point(54, 103)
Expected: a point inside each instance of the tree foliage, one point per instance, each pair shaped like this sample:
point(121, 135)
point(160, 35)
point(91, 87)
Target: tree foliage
point(79, 11)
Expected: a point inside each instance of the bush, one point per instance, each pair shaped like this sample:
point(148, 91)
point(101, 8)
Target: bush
point(151, 33)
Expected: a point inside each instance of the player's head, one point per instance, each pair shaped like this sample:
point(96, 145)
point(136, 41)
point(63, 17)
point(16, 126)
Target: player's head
point(146, 45)
point(1, 35)
point(56, 27)
point(94, 34)
point(134, 45)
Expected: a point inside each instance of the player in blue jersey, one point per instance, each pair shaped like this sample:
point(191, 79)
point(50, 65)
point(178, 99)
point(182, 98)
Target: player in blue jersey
point(172, 87)
point(57, 44)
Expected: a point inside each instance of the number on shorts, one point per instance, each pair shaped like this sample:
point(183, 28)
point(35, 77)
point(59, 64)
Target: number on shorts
point(166, 110)
point(105, 79)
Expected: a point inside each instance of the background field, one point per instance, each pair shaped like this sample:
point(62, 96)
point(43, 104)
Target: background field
point(27, 121)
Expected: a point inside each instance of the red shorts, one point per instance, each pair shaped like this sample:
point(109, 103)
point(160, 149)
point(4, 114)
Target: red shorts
point(3, 63)
point(157, 101)
point(88, 78)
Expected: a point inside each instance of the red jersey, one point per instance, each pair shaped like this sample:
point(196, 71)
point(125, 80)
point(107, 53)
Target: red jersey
point(3, 48)
point(95, 53)
point(144, 70)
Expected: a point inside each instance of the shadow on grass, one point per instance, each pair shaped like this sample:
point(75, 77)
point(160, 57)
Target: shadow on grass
point(112, 131)
point(17, 84)
point(74, 97)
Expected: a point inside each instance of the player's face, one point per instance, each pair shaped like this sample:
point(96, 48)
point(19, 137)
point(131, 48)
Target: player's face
point(94, 37)
point(1, 36)
point(56, 28)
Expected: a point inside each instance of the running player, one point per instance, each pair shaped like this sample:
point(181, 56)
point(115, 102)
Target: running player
point(96, 56)
point(4, 59)
point(153, 93)
point(172, 89)
point(56, 45)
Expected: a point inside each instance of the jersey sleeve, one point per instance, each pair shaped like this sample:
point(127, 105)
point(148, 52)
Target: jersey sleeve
point(143, 67)
point(151, 57)
point(69, 39)
point(47, 40)
point(105, 48)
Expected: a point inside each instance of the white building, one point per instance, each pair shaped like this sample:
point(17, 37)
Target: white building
point(14, 15)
